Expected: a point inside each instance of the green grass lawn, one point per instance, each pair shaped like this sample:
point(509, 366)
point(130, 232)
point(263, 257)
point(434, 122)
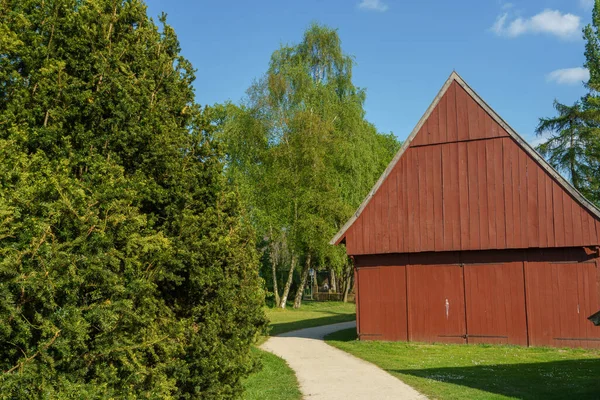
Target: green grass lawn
point(311, 314)
point(276, 381)
point(482, 371)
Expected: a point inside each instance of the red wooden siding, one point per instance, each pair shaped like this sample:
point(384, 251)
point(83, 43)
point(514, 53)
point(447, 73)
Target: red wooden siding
point(560, 297)
point(368, 303)
point(457, 117)
point(382, 303)
point(495, 303)
point(537, 297)
point(471, 238)
point(465, 184)
point(477, 195)
point(486, 194)
point(436, 308)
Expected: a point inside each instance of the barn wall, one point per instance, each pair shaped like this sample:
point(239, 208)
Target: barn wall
point(522, 297)
point(484, 192)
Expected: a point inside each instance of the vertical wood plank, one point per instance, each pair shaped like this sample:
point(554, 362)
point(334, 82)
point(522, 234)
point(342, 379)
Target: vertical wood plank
point(492, 194)
point(499, 198)
point(482, 169)
point(585, 227)
point(482, 119)
point(359, 247)
point(400, 221)
point(443, 120)
point(523, 197)
point(473, 118)
point(541, 203)
point(508, 193)
point(414, 197)
point(438, 215)
point(377, 248)
point(425, 222)
point(463, 193)
point(393, 204)
point(367, 233)
point(418, 140)
point(452, 125)
point(433, 125)
point(593, 236)
point(454, 196)
point(533, 224)
point(516, 191)
point(559, 211)
point(567, 205)
point(462, 113)
point(549, 212)
point(576, 218)
point(404, 227)
point(431, 193)
point(385, 216)
point(446, 196)
point(473, 190)
point(488, 122)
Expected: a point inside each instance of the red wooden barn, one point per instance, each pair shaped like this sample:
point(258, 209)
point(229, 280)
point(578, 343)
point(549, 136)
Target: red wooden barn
point(469, 236)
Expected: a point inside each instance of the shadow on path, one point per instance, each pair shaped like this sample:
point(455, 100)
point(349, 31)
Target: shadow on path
point(277, 329)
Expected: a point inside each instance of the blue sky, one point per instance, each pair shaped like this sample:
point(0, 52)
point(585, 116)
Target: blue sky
point(518, 56)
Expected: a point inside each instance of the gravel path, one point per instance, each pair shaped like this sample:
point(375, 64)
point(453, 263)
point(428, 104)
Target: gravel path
point(327, 373)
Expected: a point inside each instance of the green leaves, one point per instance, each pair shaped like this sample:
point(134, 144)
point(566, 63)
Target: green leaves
point(574, 145)
point(126, 267)
point(301, 150)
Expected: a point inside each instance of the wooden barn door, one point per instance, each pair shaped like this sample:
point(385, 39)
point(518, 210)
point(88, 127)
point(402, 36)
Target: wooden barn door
point(495, 303)
point(436, 306)
point(560, 297)
point(369, 325)
point(382, 303)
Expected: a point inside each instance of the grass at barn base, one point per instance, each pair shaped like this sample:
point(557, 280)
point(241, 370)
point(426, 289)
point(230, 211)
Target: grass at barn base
point(482, 371)
point(276, 381)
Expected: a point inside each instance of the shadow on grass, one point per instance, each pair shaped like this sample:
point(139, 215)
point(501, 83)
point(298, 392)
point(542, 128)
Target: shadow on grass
point(576, 379)
point(283, 327)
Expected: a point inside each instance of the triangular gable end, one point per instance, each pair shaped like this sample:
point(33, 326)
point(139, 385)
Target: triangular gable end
point(421, 136)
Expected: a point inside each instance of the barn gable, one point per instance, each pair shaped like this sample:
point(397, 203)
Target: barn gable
point(465, 180)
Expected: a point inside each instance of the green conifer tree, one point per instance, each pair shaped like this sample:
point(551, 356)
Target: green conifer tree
point(126, 267)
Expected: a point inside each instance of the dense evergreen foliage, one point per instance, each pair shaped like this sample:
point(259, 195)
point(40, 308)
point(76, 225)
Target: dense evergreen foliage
point(126, 269)
point(574, 145)
point(304, 155)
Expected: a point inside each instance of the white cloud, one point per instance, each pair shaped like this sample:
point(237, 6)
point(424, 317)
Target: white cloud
point(548, 21)
point(537, 140)
point(569, 76)
point(373, 5)
point(586, 4)
point(507, 6)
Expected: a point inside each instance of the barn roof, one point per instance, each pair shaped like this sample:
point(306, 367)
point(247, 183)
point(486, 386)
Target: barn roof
point(454, 77)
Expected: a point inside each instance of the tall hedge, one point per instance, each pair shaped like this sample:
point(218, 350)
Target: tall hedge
point(126, 268)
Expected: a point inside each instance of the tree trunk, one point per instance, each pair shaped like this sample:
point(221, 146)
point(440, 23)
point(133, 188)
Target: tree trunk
point(349, 275)
point(288, 283)
point(332, 282)
point(300, 291)
point(274, 259)
point(275, 288)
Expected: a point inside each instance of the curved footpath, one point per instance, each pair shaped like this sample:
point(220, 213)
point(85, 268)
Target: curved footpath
point(325, 372)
